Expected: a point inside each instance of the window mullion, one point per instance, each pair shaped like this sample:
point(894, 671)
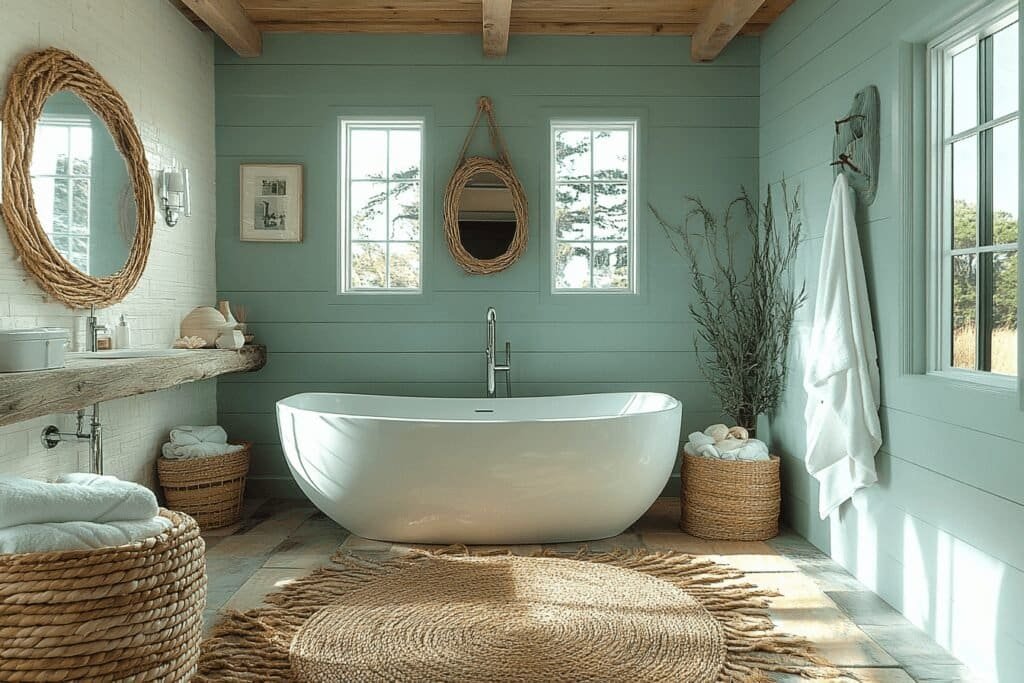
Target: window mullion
point(387, 210)
point(983, 328)
point(592, 204)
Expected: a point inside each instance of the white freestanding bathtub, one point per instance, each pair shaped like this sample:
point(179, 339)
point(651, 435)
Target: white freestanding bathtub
point(481, 471)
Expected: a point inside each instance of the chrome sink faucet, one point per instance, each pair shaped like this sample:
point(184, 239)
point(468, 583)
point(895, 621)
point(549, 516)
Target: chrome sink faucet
point(492, 368)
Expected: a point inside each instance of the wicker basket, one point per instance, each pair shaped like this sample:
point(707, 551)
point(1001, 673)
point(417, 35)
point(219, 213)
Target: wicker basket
point(730, 500)
point(209, 489)
point(127, 613)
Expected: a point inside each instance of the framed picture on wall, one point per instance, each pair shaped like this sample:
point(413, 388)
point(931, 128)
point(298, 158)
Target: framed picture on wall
point(271, 202)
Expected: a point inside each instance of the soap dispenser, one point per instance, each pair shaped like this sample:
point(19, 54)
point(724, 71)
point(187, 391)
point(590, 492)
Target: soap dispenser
point(122, 334)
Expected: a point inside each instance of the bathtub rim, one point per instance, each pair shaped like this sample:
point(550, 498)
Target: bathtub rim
point(672, 404)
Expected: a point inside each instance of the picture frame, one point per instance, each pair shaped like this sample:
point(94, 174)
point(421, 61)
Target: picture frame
point(270, 202)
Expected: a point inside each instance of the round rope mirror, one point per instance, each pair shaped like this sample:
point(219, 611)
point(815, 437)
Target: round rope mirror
point(486, 222)
point(55, 264)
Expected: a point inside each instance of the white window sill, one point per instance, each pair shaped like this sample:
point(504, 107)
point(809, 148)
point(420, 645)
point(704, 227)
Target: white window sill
point(979, 380)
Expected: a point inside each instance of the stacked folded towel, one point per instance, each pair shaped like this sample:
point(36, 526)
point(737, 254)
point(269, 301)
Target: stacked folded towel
point(77, 512)
point(198, 442)
point(726, 443)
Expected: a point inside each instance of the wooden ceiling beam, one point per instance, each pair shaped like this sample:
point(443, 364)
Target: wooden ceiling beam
point(519, 28)
point(497, 15)
point(228, 20)
point(725, 19)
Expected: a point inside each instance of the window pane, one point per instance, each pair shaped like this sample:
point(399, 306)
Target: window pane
point(79, 205)
point(81, 150)
point(611, 265)
point(965, 193)
point(62, 241)
point(44, 191)
point(572, 211)
point(80, 253)
point(367, 153)
point(1004, 313)
point(611, 211)
point(405, 154)
point(1004, 184)
point(404, 211)
point(1004, 75)
point(368, 207)
point(61, 205)
point(368, 265)
point(965, 89)
point(964, 311)
point(572, 154)
point(405, 265)
point(50, 151)
point(611, 154)
point(572, 266)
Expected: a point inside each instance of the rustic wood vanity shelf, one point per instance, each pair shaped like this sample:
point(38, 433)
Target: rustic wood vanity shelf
point(85, 381)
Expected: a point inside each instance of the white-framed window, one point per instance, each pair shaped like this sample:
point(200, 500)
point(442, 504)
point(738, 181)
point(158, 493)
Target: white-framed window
point(973, 206)
point(381, 205)
point(593, 206)
point(62, 184)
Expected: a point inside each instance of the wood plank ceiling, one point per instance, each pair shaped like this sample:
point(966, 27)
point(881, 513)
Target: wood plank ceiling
point(713, 22)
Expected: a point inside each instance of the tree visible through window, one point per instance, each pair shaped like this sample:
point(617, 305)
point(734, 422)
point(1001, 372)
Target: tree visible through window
point(978, 201)
point(593, 192)
point(381, 205)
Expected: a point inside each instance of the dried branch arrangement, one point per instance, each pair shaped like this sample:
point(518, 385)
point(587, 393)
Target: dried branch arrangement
point(744, 307)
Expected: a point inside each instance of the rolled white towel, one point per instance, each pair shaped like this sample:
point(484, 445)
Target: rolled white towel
point(56, 536)
point(754, 449)
point(709, 451)
point(717, 432)
point(186, 435)
point(199, 450)
point(700, 439)
point(86, 479)
point(729, 444)
point(90, 499)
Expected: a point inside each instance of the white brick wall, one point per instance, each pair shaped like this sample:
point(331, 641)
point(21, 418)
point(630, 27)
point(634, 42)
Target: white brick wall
point(163, 68)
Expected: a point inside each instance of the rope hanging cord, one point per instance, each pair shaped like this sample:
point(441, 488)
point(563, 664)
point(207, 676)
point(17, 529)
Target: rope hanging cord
point(484, 106)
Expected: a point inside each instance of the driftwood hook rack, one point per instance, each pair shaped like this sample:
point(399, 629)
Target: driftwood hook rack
point(855, 148)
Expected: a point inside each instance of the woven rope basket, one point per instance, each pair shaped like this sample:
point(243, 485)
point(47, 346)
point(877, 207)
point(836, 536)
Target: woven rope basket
point(730, 500)
point(208, 489)
point(127, 613)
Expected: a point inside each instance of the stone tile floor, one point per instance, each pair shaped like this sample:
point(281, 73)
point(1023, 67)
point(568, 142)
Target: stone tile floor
point(280, 540)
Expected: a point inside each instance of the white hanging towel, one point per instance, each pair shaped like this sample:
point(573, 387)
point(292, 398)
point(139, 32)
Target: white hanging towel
point(841, 372)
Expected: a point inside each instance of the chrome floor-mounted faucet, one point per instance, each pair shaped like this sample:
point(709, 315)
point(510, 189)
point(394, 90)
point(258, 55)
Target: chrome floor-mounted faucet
point(492, 321)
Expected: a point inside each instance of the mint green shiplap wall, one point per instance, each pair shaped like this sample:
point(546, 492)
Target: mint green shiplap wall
point(698, 135)
point(941, 537)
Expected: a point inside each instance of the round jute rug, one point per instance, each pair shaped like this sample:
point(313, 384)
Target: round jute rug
point(449, 616)
point(511, 618)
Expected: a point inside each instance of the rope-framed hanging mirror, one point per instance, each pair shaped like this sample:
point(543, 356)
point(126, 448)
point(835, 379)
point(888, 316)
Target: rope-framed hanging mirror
point(70, 149)
point(486, 221)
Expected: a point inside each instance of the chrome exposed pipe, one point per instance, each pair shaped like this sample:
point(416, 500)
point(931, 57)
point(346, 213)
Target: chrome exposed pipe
point(52, 436)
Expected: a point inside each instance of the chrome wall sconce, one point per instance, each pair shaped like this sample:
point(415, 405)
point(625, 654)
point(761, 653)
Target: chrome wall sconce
point(175, 195)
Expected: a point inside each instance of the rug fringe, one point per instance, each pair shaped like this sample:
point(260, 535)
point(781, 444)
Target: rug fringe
point(253, 645)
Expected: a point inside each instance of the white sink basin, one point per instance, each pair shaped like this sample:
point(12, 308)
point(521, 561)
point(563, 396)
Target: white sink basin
point(128, 353)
